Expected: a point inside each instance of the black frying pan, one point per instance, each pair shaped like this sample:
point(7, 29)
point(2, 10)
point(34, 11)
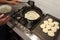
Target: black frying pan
point(30, 23)
point(31, 8)
point(26, 9)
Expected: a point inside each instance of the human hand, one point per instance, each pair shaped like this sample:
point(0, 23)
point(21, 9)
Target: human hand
point(4, 20)
point(10, 2)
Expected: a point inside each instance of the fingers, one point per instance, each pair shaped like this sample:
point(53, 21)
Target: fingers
point(15, 0)
point(6, 19)
point(12, 2)
point(1, 15)
point(1, 23)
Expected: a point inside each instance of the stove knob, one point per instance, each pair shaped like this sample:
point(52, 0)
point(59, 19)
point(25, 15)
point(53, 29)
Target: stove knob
point(18, 18)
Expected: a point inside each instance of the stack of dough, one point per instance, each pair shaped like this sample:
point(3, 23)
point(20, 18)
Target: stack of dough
point(50, 27)
point(5, 8)
point(32, 15)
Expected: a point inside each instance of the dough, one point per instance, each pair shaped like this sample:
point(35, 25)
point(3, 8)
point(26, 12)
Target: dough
point(50, 19)
point(5, 8)
point(54, 29)
point(56, 23)
point(46, 22)
point(48, 27)
point(51, 34)
point(45, 30)
point(32, 15)
point(57, 27)
point(51, 23)
point(42, 25)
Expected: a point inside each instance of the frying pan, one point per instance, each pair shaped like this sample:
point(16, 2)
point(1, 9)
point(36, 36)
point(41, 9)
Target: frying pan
point(32, 7)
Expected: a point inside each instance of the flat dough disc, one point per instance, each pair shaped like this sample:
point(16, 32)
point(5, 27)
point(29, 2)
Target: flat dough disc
point(32, 15)
point(42, 25)
point(54, 29)
point(45, 30)
point(51, 23)
point(56, 23)
point(46, 22)
point(57, 27)
point(51, 34)
point(48, 26)
point(50, 19)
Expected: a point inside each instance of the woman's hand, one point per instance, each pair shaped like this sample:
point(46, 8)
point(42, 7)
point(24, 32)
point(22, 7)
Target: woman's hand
point(10, 2)
point(4, 20)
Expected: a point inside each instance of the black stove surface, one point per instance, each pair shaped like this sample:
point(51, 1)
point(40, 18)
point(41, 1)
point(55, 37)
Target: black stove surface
point(19, 16)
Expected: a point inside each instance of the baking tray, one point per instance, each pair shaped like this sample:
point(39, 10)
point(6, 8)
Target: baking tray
point(38, 31)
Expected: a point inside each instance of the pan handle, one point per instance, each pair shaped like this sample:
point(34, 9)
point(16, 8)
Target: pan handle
point(31, 3)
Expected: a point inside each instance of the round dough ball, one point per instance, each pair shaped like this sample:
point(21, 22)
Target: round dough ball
point(48, 26)
point(32, 15)
point(56, 23)
point(42, 25)
point(45, 30)
point(54, 29)
point(51, 23)
point(57, 27)
point(46, 22)
point(5, 8)
point(50, 19)
point(51, 34)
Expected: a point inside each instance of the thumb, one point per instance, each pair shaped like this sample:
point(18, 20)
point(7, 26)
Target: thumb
point(1, 15)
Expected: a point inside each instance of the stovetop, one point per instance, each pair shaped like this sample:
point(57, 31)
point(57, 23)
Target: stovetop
point(17, 15)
